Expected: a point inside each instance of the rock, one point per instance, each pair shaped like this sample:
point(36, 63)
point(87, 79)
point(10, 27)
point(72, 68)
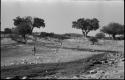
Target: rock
point(46, 71)
point(31, 63)
point(77, 75)
point(11, 63)
point(97, 62)
point(25, 62)
point(38, 57)
point(105, 61)
point(123, 59)
point(19, 45)
point(24, 77)
point(91, 65)
point(22, 62)
point(8, 78)
point(74, 77)
point(93, 71)
point(111, 62)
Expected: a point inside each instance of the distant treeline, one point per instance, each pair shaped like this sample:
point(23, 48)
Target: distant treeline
point(52, 35)
point(59, 36)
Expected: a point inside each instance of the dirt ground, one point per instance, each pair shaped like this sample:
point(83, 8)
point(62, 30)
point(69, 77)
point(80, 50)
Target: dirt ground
point(13, 54)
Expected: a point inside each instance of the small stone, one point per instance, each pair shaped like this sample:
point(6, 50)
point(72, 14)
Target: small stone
point(123, 59)
point(38, 57)
point(74, 77)
point(31, 63)
point(92, 71)
point(11, 63)
point(24, 77)
point(98, 62)
point(110, 62)
point(105, 61)
point(8, 78)
point(46, 71)
point(77, 75)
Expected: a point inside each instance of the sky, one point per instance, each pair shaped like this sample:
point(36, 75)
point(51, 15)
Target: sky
point(59, 14)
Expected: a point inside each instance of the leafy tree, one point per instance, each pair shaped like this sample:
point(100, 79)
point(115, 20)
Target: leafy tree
point(86, 25)
point(7, 31)
point(25, 25)
point(100, 35)
point(113, 29)
point(23, 29)
point(38, 22)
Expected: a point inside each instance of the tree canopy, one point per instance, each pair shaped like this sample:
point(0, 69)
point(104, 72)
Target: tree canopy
point(86, 25)
point(25, 25)
point(7, 31)
point(32, 22)
point(113, 29)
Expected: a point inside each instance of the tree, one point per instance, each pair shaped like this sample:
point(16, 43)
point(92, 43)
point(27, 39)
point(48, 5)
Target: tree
point(7, 31)
point(100, 35)
point(25, 25)
point(93, 40)
point(113, 29)
point(86, 25)
point(23, 29)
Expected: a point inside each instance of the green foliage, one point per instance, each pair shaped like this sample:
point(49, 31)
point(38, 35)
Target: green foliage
point(86, 25)
point(100, 35)
point(113, 29)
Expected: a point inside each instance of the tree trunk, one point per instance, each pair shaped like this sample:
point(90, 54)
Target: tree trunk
point(24, 37)
point(93, 43)
point(35, 39)
point(32, 29)
point(114, 36)
point(34, 50)
point(85, 33)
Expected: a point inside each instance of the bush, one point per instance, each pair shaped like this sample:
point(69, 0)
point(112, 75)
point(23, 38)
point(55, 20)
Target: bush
point(121, 38)
point(17, 38)
point(93, 40)
point(100, 35)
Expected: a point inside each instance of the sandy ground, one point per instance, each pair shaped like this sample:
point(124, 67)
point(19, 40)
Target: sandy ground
point(16, 53)
point(71, 50)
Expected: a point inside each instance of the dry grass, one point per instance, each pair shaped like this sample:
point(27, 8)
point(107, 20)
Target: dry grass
point(68, 60)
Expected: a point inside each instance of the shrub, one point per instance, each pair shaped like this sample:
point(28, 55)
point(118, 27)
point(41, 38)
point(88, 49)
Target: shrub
point(17, 38)
point(93, 40)
point(121, 37)
point(100, 35)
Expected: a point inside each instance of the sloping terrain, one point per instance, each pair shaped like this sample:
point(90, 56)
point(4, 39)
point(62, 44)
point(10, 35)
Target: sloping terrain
point(74, 59)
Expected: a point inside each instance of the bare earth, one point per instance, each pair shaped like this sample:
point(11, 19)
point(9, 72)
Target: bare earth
point(72, 50)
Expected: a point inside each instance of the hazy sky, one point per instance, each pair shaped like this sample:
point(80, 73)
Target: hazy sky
point(59, 14)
